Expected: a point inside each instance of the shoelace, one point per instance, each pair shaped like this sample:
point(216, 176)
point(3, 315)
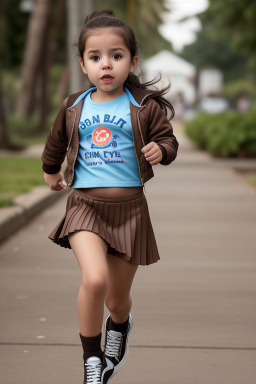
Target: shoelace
point(93, 372)
point(113, 345)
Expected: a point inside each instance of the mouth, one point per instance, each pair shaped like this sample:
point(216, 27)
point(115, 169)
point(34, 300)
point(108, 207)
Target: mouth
point(107, 79)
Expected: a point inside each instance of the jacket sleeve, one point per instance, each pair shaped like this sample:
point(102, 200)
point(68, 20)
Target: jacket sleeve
point(56, 143)
point(161, 132)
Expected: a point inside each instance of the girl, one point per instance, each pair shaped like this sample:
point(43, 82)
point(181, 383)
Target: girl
point(113, 133)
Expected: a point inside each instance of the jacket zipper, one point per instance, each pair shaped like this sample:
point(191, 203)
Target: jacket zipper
point(138, 119)
point(142, 139)
point(141, 178)
point(72, 131)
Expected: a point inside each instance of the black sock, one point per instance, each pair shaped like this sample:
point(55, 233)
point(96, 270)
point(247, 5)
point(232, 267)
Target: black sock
point(91, 346)
point(119, 327)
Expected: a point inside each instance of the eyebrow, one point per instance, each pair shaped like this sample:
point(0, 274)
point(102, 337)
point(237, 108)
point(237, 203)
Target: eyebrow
point(97, 50)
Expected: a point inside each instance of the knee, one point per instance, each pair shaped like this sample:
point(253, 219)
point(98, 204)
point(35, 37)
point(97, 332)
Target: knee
point(118, 305)
point(95, 285)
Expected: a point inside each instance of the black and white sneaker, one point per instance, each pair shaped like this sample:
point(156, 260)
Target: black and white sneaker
point(92, 370)
point(116, 350)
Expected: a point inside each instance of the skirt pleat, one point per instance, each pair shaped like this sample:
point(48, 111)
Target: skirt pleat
point(123, 222)
point(137, 244)
point(67, 222)
point(86, 218)
point(83, 220)
point(133, 227)
point(115, 234)
point(143, 240)
point(127, 228)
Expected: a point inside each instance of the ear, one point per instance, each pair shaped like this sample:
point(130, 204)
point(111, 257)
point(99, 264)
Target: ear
point(83, 66)
point(134, 63)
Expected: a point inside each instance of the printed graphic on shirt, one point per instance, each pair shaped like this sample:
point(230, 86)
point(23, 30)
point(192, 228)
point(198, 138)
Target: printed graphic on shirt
point(101, 137)
point(102, 145)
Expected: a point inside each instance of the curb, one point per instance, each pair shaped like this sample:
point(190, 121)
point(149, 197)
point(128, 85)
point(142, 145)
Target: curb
point(25, 208)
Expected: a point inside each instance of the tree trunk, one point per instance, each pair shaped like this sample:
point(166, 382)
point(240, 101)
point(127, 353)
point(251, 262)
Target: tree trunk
point(46, 61)
point(4, 140)
point(76, 12)
point(35, 39)
point(63, 83)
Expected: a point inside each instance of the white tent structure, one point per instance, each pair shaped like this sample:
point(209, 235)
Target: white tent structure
point(173, 69)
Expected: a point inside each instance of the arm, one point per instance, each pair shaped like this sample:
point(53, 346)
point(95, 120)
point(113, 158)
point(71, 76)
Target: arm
point(56, 143)
point(161, 134)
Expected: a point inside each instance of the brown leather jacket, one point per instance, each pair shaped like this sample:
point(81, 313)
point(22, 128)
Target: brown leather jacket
point(149, 123)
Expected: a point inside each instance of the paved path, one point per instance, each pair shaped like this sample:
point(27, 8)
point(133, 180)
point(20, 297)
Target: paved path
point(194, 312)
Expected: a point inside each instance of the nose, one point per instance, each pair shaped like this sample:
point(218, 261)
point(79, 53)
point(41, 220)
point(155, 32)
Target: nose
point(106, 63)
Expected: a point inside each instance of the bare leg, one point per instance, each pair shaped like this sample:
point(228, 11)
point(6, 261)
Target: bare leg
point(118, 299)
point(90, 251)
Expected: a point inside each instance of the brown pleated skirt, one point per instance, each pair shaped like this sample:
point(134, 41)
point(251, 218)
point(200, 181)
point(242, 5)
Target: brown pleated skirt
point(123, 222)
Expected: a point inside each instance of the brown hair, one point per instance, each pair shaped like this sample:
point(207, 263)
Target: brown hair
point(107, 19)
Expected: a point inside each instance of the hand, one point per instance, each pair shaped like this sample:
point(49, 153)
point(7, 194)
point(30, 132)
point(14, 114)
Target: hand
point(152, 152)
point(54, 181)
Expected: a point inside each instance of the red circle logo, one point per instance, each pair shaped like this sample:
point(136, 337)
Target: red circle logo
point(101, 136)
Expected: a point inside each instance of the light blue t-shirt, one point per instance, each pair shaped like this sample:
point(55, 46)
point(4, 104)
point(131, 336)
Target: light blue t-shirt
point(106, 156)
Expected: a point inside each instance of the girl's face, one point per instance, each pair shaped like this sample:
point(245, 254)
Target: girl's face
point(107, 62)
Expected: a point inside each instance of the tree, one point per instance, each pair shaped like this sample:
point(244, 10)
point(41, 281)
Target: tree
point(77, 10)
point(14, 29)
point(238, 18)
point(32, 56)
point(4, 139)
point(214, 47)
point(47, 53)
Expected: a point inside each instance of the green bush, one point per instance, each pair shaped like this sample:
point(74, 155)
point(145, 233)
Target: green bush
point(227, 134)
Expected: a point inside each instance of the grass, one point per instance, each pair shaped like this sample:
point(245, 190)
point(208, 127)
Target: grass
point(18, 175)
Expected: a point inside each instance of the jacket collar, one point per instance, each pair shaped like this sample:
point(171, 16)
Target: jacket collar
point(137, 96)
point(140, 94)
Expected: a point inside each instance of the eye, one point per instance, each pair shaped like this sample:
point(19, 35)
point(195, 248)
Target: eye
point(117, 56)
point(95, 58)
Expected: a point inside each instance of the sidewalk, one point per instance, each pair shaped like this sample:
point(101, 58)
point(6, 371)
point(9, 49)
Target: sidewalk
point(194, 311)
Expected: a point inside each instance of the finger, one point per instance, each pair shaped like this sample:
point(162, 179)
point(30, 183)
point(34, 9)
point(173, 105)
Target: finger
point(156, 151)
point(148, 147)
point(55, 188)
point(151, 152)
point(156, 161)
point(152, 157)
point(61, 185)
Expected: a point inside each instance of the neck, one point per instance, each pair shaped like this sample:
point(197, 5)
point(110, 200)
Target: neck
point(104, 97)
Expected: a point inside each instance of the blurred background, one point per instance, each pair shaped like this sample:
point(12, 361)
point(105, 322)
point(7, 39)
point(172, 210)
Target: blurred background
point(206, 49)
